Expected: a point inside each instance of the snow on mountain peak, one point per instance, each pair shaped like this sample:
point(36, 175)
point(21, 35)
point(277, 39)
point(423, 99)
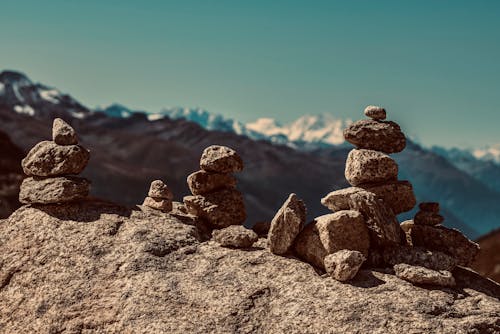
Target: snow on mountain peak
point(489, 153)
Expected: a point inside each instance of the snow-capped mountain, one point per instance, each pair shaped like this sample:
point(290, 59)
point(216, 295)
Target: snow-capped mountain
point(488, 153)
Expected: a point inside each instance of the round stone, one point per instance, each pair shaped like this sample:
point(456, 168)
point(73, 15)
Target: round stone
point(375, 112)
point(220, 159)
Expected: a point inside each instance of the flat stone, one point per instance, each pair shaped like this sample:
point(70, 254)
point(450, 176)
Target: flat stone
point(344, 264)
point(159, 190)
point(161, 204)
point(286, 225)
point(428, 218)
point(418, 256)
point(63, 133)
point(367, 166)
point(220, 209)
point(375, 112)
point(235, 236)
point(49, 159)
point(376, 135)
point(429, 206)
point(446, 240)
point(343, 230)
point(397, 195)
point(308, 246)
point(262, 228)
point(339, 199)
point(381, 222)
point(220, 159)
point(202, 182)
point(421, 275)
point(53, 190)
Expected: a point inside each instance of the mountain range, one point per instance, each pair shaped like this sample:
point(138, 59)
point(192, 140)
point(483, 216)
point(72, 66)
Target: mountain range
point(131, 148)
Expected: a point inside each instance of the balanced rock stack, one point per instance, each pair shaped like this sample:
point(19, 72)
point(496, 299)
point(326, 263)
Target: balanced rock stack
point(159, 197)
point(51, 167)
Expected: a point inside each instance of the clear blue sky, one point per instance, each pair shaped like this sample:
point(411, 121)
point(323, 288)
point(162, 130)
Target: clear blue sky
point(435, 65)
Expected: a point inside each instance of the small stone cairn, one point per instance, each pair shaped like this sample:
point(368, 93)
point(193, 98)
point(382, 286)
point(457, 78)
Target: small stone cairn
point(51, 167)
point(159, 197)
point(215, 198)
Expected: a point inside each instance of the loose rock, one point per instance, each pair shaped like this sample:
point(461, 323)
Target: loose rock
point(63, 133)
point(308, 246)
point(161, 204)
point(202, 182)
point(159, 190)
point(375, 112)
point(262, 228)
point(286, 224)
point(428, 218)
point(236, 236)
point(397, 195)
point(367, 166)
point(53, 190)
point(344, 264)
point(417, 256)
point(421, 275)
point(220, 159)
point(375, 135)
point(339, 199)
point(429, 206)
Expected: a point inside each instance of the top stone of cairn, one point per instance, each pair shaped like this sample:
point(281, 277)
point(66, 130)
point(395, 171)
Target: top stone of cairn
point(375, 112)
point(63, 133)
point(220, 159)
point(160, 190)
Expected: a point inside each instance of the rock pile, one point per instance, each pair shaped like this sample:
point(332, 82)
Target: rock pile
point(159, 197)
point(51, 167)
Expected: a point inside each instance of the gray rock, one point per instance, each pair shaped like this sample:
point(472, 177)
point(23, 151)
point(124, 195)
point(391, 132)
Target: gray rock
point(161, 204)
point(286, 225)
point(49, 159)
point(202, 182)
point(429, 206)
point(220, 209)
point(344, 264)
point(418, 256)
point(376, 135)
point(159, 190)
point(339, 199)
point(375, 112)
point(446, 240)
point(308, 246)
point(381, 222)
point(367, 166)
point(428, 218)
point(397, 195)
point(421, 275)
point(220, 159)
point(63, 133)
point(343, 230)
point(235, 236)
point(53, 190)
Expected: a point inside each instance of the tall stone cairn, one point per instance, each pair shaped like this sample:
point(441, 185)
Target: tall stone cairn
point(52, 166)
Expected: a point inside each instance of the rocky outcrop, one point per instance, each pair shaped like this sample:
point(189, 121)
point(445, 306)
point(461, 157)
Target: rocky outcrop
point(422, 275)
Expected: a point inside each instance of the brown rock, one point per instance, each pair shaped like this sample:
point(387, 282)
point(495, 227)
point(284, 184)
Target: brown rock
point(429, 206)
point(417, 256)
point(220, 209)
point(376, 135)
point(397, 195)
point(339, 199)
point(428, 218)
point(421, 275)
point(375, 112)
point(367, 166)
point(344, 264)
point(406, 227)
point(202, 182)
point(261, 228)
point(308, 246)
point(63, 133)
point(382, 223)
point(49, 159)
point(236, 236)
point(220, 159)
point(446, 240)
point(53, 190)
point(286, 225)
point(159, 190)
point(343, 230)
point(161, 204)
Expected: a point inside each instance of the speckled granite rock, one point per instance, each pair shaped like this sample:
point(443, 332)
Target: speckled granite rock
point(63, 133)
point(375, 112)
point(344, 264)
point(236, 236)
point(53, 190)
point(376, 135)
point(367, 166)
point(220, 159)
point(421, 275)
point(202, 182)
point(397, 195)
point(339, 199)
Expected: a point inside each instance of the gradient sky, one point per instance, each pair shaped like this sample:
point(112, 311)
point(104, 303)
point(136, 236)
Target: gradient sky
point(435, 65)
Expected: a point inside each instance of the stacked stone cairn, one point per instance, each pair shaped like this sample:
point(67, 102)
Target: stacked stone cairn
point(215, 198)
point(159, 197)
point(51, 167)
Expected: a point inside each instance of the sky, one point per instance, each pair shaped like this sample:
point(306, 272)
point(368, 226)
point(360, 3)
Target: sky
point(434, 65)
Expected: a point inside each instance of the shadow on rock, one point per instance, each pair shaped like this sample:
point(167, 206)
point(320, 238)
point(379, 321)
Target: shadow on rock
point(366, 279)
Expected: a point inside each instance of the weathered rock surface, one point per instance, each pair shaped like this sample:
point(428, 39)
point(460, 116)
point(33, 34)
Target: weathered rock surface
point(202, 182)
point(365, 166)
point(161, 204)
point(429, 206)
point(220, 209)
point(286, 225)
point(262, 228)
point(53, 190)
point(421, 275)
point(381, 222)
point(344, 264)
point(446, 240)
point(376, 135)
point(220, 159)
point(308, 246)
point(428, 218)
point(375, 112)
point(397, 195)
point(417, 256)
point(339, 199)
point(343, 230)
point(159, 189)
point(49, 159)
point(104, 269)
point(236, 236)
point(63, 133)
